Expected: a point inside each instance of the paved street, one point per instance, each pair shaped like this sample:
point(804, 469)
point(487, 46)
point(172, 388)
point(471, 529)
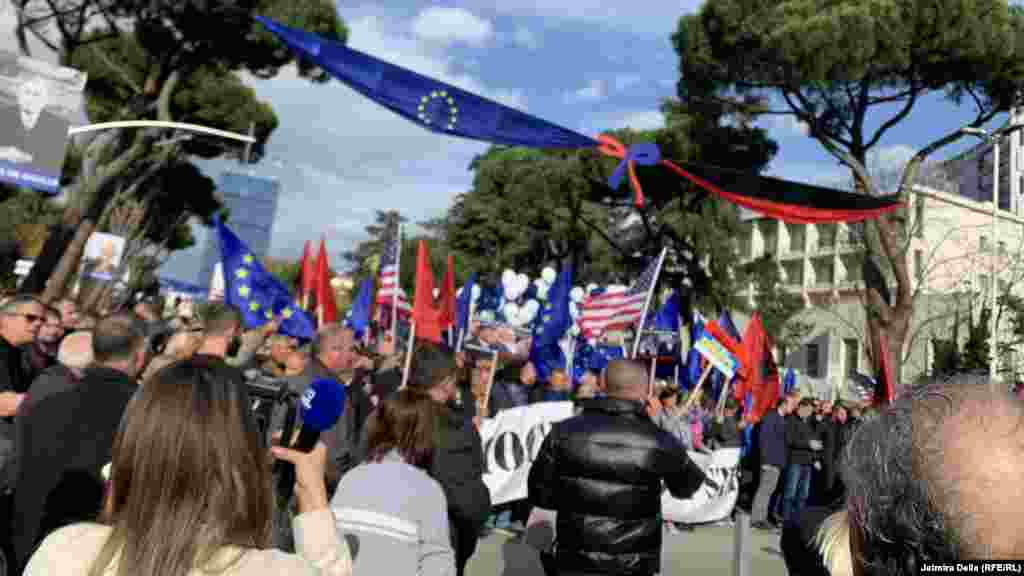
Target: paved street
point(706, 550)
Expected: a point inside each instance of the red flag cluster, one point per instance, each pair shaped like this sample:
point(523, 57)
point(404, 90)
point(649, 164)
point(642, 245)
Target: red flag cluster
point(315, 285)
point(432, 320)
point(757, 372)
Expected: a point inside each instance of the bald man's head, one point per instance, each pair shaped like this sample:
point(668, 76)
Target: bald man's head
point(936, 478)
point(627, 380)
point(76, 351)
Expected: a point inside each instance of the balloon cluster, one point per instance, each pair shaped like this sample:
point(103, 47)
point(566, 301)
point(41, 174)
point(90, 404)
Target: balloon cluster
point(518, 300)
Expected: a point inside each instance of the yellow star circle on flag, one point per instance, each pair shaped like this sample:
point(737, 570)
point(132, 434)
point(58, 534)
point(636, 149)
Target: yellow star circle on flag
point(286, 313)
point(241, 273)
point(448, 120)
point(247, 259)
point(243, 291)
point(269, 314)
point(254, 306)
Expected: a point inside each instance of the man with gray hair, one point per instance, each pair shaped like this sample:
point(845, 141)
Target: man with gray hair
point(933, 479)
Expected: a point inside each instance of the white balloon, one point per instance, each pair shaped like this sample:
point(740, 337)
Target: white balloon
point(511, 310)
point(577, 294)
point(437, 291)
point(508, 282)
point(476, 292)
point(591, 287)
point(615, 288)
point(532, 307)
point(523, 283)
point(549, 275)
point(542, 291)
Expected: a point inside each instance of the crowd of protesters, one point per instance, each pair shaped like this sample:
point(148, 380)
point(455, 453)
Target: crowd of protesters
point(128, 445)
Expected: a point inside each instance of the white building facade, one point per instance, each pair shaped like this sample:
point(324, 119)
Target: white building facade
point(950, 250)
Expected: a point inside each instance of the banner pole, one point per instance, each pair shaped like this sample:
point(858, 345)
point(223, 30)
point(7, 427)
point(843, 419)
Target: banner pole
point(408, 354)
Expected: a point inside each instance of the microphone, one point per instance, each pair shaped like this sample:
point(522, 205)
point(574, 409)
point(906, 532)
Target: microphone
point(320, 407)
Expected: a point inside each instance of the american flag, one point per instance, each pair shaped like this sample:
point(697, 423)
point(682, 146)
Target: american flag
point(862, 387)
point(617, 310)
point(388, 276)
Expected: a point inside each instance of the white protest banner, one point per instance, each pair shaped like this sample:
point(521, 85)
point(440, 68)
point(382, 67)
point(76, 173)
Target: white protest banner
point(709, 504)
point(512, 440)
point(717, 355)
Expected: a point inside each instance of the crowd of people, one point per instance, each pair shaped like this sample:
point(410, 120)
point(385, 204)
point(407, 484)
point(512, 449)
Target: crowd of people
point(128, 445)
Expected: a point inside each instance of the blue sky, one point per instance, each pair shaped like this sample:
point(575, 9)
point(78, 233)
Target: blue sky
point(586, 64)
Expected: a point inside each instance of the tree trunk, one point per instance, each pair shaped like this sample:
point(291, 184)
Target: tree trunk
point(92, 190)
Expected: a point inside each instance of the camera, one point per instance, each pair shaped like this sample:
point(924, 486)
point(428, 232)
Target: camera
point(271, 402)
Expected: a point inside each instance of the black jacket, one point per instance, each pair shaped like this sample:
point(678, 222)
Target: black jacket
point(771, 440)
point(68, 439)
point(458, 466)
point(14, 377)
point(602, 471)
point(799, 434)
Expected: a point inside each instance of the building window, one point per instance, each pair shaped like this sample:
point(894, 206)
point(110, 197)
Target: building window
point(796, 238)
point(918, 265)
point(983, 243)
point(852, 350)
point(813, 361)
point(983, 283)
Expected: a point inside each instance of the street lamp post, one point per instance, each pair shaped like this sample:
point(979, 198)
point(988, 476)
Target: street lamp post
point(994, 138)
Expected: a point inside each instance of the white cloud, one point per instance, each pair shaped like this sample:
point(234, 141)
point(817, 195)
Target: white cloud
point(451, 25)
point(889, 158)
point(595, 90)
point(525, 38)
point(643, 17)
point(789, 125)
point(642, 120)
point(346, 157)
point(626, 81)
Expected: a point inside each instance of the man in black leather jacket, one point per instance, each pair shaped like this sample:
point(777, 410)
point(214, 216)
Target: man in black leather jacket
point(602, 471)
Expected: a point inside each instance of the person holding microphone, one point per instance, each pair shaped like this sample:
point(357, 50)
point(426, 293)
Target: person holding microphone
point(190, 491)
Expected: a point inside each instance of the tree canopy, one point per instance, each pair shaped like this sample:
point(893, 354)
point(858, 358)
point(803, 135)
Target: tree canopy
point(177, 60)
point(852, 71)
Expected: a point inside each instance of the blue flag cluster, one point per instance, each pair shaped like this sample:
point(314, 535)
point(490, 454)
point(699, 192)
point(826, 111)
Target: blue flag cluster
point(545, 353)
point(259, 296)
point(463, 304)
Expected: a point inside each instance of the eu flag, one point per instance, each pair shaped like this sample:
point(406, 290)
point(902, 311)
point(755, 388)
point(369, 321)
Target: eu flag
point(667, 318)
point(359, 315)
point(434, 105)
point(255, 292)
point(463, 304)
point(545, 353)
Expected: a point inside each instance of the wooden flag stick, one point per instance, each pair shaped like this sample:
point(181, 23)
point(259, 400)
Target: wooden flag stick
point(650, 383)
point(720, 411)
point(408, 354)
point(305, 302)
point(698, 388)
point(490, 383)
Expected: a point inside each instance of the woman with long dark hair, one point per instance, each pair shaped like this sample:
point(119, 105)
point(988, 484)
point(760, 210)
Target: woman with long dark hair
point(190, 491)
point(392, 512)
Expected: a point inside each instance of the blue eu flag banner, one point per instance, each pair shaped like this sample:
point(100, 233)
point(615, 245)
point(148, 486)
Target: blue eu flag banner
point(555, 320)
point(255, 292)
point(359, 316)
point(434, 105)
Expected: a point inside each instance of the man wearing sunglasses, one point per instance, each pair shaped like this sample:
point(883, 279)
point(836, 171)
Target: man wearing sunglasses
point(20, 321)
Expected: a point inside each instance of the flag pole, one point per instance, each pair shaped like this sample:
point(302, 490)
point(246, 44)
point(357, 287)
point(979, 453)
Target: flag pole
point(698, 387)
point(650, 383)
point(490, 384)
point(398, 282)
point(647, 302)
point(408, 353)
